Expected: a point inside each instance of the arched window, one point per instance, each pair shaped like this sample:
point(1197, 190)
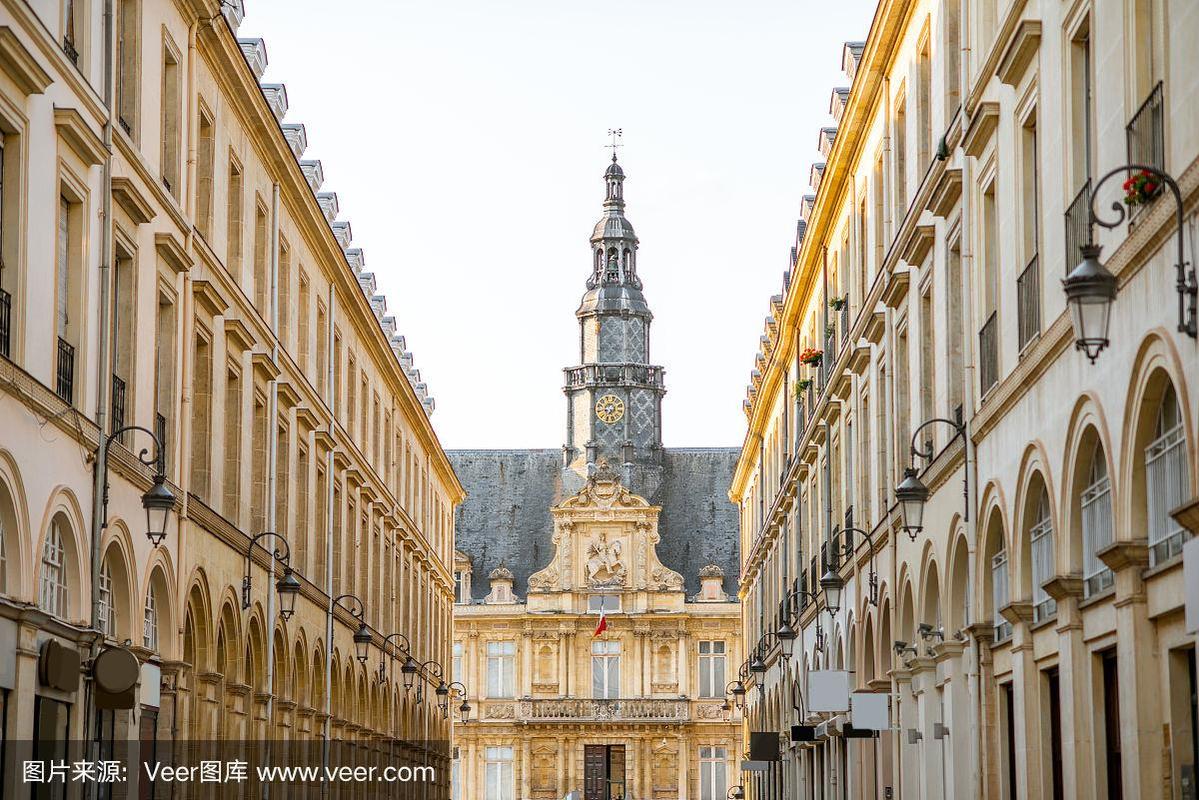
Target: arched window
point(108, 613)
point(1095, 503)
point(52, 594)
point(1040, 542)
point(150, 622)
point(1166, 479)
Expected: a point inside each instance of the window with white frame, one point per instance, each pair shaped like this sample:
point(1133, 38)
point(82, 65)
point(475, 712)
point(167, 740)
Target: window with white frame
point(150, 622)
point(52, 594)
point(607, 603)
point(457, 663)
point(498, 774)
point(456, 776)
point(605, 669)
point(1040, 537)
point(501, 669)
point(711, 669)
point(1166, 480)
point(999, 595)
point(1095, 504)
point(107, 612)
point(712, 773)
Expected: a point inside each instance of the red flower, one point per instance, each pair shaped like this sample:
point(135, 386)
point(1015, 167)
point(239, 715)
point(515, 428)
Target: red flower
point(1128, 184)
point(1150, 188)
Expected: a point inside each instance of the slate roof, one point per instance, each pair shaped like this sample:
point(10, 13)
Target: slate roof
point(506, 515)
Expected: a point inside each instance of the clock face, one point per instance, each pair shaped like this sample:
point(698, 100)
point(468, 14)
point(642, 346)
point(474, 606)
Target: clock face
point(609, 408)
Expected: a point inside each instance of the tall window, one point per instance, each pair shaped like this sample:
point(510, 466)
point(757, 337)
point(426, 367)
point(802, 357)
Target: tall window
point(232, 445)
point(164, 370)
point(712, 778)
point(322, 352)
point(1040, 536)
point(899, 146)
point(284, 302)
point(301, 505)
point(52, 593)
point(303, 327)
point(1081, 112)
point(258, 465)
point(233, 222)
point(1166, 479)
point(953, 314)
point(711, 668)
point(456, 672)
point(605, 669)
point(282, 478)
point(260, 265)
point(171, 104)
point(999, 595)
point(108, 617)
point(150, 622)
point(201, 417)
point(1096, 506)
point(68, 258)
point(924, 106)
point(498, 773)
point(128, 56)
point(72, 22)
point(501, 669)
point(205, 166)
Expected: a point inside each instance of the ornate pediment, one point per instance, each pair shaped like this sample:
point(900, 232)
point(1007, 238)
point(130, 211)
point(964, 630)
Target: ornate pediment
point(605, 539)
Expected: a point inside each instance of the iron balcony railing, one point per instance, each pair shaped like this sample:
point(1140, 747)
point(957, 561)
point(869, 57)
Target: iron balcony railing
point(988, 354)
point(64, 386)
point(118, 404)
point(1078, 226)
point(1028, 303)
point(5, 324)
point(1146, 132)
point(845, 321)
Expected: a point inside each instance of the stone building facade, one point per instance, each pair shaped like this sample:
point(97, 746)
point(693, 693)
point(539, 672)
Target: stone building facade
point(1030, 636)
point(169, 260)
point(613, 524)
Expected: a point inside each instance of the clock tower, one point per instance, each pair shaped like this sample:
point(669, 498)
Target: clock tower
point(614, 395)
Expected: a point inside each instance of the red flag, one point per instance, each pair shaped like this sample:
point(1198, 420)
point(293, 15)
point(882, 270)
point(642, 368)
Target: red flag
point(603, 624)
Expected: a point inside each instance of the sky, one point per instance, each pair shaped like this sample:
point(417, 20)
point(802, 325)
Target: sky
point(466, 142)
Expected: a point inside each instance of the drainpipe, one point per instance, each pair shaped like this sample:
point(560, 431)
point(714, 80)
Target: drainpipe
point(331, 399)
point(974, 673)
point(103, 369)
point(272, 488)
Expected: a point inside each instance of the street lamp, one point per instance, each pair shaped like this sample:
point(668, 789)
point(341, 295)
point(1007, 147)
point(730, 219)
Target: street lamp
point(911, 492)
point(737, 690)
point(1090, 288)
point(158, 501)
point(288, 586)
point(736, 793)
point(362, 636)
point(846, 551)
point(912, 495)
point(408, 671)
point(832, 585)
point(405, 648)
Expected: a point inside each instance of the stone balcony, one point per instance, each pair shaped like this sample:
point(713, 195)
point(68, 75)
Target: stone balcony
point(587, 710)
point(616, 374)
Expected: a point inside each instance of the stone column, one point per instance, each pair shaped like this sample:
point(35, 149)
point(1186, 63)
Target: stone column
point(525, 767)
point(1026, 696)
point(683, 660)
point(562, 757)
point(526, 663)
point(951, 656)
point(1139, 671)
point(1074, 689)
point(683, 766)
point(563, 645)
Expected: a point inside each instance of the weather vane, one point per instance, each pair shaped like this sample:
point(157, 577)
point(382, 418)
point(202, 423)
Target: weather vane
point(615, 133)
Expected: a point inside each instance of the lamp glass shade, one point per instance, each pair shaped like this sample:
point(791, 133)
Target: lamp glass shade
point(464, 710)
point(757, 664)
point(912, 494)
point(158, 502)
point(832, 584)
point(408, 670)
point(1090, 289)
point(442, 690)
point(288, 587)
point(362, 642)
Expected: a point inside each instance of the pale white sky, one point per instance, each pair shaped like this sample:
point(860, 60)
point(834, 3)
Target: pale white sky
point(465, 140)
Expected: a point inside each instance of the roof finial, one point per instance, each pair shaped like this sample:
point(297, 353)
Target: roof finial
point(615, 133)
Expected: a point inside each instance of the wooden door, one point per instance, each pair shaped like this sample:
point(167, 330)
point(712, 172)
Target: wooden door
point(595, 772)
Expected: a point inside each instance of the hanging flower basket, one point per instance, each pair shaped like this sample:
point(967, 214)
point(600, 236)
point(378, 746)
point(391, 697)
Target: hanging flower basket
point(811, 356)
point(803, 385)
point(1141, 188)
point(837, 303)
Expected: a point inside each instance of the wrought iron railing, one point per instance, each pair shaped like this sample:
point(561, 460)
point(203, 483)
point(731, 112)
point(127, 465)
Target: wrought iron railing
point(1078, 226)
point(5, 324)
point(845, 320)
point(118, 403)
point(988, 354)
point(64, 385)
point(68, 47)
point(1146, 132)
point(1028, 302)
